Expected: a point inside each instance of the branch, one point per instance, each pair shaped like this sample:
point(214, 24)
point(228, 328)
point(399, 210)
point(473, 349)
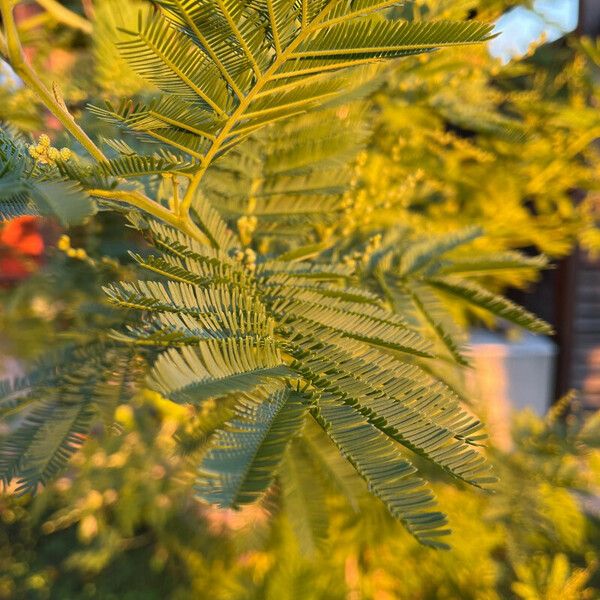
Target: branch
point(15, 55)
point(139, 200)
point(10, 46)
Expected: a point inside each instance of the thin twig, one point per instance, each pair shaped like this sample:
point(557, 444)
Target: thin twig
point(138, 200)
point(63, 15)
point(16, 58)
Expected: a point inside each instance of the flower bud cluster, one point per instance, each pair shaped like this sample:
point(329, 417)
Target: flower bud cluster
point(64, 244)
point(43, 152)
point(247, 257)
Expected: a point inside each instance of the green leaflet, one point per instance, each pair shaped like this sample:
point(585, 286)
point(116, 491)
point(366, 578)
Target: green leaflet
point(51, 434)
point(497, 305)
point(486, 264)
point(216, 368)
point(389, 476)
point(64, 200)
point(437, 327)
point(305, 496)
point(421, 254)
point(244, 456)
point(378, 37)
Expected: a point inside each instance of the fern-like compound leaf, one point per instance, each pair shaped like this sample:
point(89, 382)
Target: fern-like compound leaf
point(253, 332)
point(228, 68)
point(493, 303)
point(388, 475)
point(245, 455)
point(49, 415)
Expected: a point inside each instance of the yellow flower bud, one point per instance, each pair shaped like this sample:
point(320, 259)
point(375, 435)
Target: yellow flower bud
point(65, 154)
point(250, 256)
point(94, 500)
point(246, 227)
point(53, 154)
point(64, 243)
point(44, 141)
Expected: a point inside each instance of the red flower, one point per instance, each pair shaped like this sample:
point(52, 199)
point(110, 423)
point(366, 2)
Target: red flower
point(21, 249)
point(23, 236)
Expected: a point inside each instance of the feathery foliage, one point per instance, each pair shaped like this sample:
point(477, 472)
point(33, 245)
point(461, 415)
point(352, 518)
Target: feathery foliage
point(289, 183)
point(54, 408)
point(421, 276)
point(288, 339)
point(460, 139)
point(228, 69)
point(245, 324)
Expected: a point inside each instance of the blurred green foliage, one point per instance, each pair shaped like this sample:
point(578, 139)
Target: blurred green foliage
point(122, 523)
point(462, 140)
